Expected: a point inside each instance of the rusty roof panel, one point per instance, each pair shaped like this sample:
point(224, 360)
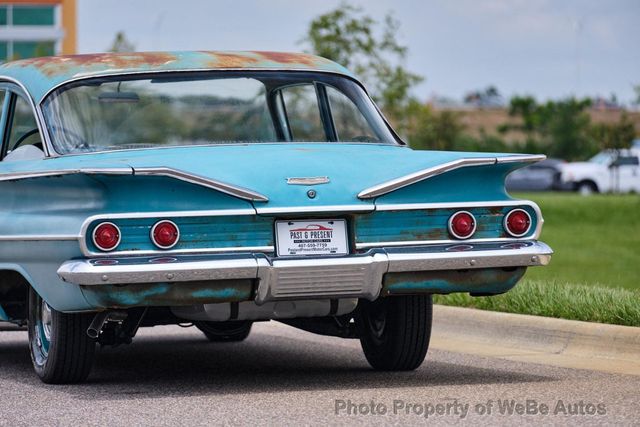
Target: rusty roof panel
point(40, 75)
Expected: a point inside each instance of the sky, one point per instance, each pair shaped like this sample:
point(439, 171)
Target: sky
point(550, 49)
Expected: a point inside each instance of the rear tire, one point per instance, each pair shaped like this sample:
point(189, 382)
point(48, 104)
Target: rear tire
point(61, 350)
point(395, 331)
point(233, 331)
point(587, 188)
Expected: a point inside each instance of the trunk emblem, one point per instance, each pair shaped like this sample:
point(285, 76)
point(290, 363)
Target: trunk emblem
point(313, 180)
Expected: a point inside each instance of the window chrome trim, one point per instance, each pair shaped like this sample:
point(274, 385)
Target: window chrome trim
point(398, 142)
point(35, 108)
point(421, 175)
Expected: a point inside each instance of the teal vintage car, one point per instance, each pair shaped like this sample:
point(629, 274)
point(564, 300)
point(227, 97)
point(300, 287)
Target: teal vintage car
point(224, 188)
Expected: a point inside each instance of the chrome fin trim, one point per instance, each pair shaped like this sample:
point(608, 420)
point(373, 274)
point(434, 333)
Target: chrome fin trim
point(421, 175)
point(223, 187)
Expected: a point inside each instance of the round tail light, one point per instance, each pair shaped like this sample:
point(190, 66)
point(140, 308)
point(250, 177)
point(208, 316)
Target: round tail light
point(165, 234)
point(106, 236)
point(462, 225)
point(517, 223)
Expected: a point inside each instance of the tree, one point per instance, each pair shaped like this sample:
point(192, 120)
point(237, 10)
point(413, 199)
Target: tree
point(355, 40)
point(560, 128)
point(121, 43)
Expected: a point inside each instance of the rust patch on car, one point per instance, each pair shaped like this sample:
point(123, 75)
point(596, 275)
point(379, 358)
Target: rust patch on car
point(229, 60)
point(168, 294)
point(54, 65)
point(480, 281)
point(291, 58)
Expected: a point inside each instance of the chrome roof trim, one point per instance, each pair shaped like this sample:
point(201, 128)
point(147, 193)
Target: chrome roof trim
point(421, 175)
point(232, 190)
point(15, 176)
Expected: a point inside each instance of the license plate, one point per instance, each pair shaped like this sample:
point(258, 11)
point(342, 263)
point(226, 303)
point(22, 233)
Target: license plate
point(314, 237)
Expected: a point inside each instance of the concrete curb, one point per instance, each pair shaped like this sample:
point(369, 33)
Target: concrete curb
point(558, 342)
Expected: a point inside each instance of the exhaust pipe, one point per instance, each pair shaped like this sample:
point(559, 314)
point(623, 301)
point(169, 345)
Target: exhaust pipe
point(97, 324)
point(95, 328)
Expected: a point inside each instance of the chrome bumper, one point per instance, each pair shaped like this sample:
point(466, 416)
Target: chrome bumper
point(358, 276)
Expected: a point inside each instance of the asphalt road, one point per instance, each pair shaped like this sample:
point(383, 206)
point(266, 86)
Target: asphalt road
point(282, 376)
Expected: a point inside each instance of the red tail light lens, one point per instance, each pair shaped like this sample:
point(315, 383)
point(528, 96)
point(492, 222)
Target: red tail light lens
point(462, 225)
point(106, 236)
point(165, 234)
point(517, 222)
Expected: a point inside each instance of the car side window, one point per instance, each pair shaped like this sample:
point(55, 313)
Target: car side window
point(626, 161)
point(22, 129)
point(350, 125)
point(303, 113)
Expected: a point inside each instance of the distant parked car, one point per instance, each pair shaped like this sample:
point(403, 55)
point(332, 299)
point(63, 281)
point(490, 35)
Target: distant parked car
point(615, 171)
point(541, 176)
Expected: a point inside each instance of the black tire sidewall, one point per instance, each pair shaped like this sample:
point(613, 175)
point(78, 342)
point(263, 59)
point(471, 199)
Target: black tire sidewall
point(404, 341)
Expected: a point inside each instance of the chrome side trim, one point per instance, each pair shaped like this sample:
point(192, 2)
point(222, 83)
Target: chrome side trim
point(233, 190)
point(466, 205)
point(38, 238)
point(15, 176)
point(314, 209)
point(171, 252)
point(421, 175)
point(408, 243)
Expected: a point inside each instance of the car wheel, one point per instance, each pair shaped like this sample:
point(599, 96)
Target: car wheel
point(225, 331)
point(61, 350)
point(587, 188)
point(395, 331)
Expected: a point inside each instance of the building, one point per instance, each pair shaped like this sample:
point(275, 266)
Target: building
point(31, 28)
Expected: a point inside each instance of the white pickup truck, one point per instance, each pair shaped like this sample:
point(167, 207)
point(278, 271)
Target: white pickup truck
point(608, 171)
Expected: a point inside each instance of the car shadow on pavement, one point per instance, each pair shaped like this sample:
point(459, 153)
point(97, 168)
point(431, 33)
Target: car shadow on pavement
point(175, 366)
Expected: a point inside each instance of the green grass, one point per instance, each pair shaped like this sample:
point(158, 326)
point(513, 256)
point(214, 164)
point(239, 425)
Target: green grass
point(594, 273)
point(596, 239)
point(557, 299)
